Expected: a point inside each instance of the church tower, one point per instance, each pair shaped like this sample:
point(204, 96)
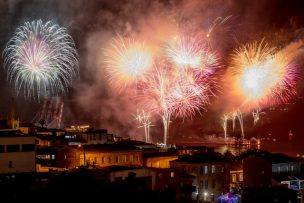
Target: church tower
point(13, 121)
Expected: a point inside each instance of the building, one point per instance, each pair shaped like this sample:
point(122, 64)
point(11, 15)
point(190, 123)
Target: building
point(17, 152)
point(267, 170)
point(99, 156)
point(27, 128)
point(257, 172)
point(236, 177)
point(100, 136)
point(274, 194)
point(159, 159)
point(157, 179)
point(211, 171)
point(260, 167)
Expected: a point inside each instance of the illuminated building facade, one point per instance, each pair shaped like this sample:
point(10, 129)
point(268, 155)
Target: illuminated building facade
point(159, 160)
point(211, 174)
point(17, 152)
point(99, 156)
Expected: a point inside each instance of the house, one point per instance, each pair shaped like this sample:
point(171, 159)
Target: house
point(99, 155)
point(17, 152)
point(211, 171)
point(159, 159)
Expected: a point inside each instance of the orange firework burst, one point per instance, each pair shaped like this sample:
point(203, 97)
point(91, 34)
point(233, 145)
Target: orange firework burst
point(261, 75)
point(127, 61)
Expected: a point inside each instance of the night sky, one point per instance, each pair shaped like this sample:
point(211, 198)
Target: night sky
point(93, 23)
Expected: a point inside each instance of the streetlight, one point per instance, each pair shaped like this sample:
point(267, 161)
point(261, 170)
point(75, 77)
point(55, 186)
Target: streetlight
point(84, 158)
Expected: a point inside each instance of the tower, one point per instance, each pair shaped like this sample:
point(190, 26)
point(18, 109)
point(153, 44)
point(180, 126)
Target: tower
point(13, 121)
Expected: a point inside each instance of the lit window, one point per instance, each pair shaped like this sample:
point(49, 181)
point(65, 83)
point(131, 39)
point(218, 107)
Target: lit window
point(172, 174)
point(205, 169)
point(53, 157)
point(241, 176)
point(234, 178)
point(213, 169)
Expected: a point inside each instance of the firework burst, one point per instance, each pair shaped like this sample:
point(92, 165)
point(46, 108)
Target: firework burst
point(188, 95)
point(127, 61)
point(262, 75)
point(190, 51)
point(41, 59)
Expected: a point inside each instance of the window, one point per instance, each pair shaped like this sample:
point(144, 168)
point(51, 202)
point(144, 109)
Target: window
point(1, 148)
point(28, 147)
point(279, 169)
point(43, 156)
point(206, 184)
point(116, 159)
point(241, 177)
point(172, 174)
point(131, 158)
point(10, 164)
point(12, 148)
point(201, 170)
point(53, 156)
point(234, 178)
point(291, 169)
point(102, 159)
point(205, 169)
point(213, 169)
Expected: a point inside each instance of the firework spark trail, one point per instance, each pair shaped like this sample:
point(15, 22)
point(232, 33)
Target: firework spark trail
point(154, 93)
point(143, 118)
point(256, 115)
point(233, 117)
point(127, 61)
point(217, 22)
point(263, 75)
point(41, 59)
point(240, 118)
point(224, 119)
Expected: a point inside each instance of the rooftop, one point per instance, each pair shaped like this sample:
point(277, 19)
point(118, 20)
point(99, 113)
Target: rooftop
point(12, 133)
point(205, 157)
point(108, 147)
